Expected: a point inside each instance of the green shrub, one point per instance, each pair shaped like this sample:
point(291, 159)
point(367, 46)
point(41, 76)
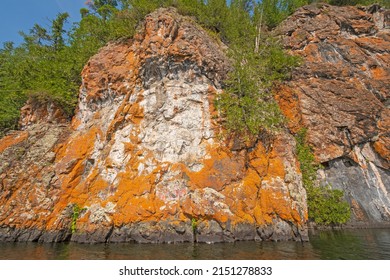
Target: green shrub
point(75, 216)
point(247, 104)
point(194, 225)
point(325, 205)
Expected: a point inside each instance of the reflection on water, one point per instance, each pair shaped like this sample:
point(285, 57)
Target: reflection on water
point(345, 244)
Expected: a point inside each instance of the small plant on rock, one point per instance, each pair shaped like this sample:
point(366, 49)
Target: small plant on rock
point(194, 225)
point(76, 210)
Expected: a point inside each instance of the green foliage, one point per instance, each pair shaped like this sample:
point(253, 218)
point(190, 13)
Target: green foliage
point(76, 210)
point(194, 225)
point(326, 206)
point(274, 12)
point(306, 160)
point(247, 103)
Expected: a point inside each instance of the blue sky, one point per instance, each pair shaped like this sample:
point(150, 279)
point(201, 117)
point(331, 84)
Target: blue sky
point(21, 15)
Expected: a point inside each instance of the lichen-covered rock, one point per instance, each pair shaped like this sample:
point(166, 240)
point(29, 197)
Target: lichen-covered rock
point(145, 160)
point(36, 111)
point(340, 93)
point(28, 190)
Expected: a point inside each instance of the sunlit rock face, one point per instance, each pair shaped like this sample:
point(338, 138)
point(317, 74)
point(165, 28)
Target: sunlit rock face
point(340, 93)
point(145, 158)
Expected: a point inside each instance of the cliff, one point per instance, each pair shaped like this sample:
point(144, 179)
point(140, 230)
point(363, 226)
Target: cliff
point(145, 158)
point(340, 93)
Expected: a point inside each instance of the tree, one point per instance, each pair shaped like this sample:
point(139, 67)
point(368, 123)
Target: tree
point(57, 30)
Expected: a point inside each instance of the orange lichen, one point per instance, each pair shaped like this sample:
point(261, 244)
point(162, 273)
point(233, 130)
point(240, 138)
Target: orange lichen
point(288, 100)
point(382, 147)
point(219, 169)
point(379, 73)
point(12, 140)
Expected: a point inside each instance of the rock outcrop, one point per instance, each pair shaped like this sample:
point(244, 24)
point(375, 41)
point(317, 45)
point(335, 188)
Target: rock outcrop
point(341, 95)
point(143, 159)
point(41, 111)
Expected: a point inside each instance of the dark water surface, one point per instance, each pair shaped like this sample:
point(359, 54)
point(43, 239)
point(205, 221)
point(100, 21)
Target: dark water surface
point(342, 244)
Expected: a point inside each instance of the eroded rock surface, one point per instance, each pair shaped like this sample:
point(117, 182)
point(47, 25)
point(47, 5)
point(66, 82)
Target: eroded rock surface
point(341, 95)
point(36, 111)
point(144, 159)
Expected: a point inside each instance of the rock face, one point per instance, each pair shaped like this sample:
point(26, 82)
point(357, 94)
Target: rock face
point(143, 159)
point(341, 95)
point(35, 111)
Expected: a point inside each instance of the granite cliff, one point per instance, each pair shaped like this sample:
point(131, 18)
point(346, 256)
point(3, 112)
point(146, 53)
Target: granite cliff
point(144, 158)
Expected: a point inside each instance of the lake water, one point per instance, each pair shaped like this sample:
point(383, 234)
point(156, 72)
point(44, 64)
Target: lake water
point(342, 244)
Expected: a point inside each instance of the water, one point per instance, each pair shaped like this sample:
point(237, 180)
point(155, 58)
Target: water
point(343, 244)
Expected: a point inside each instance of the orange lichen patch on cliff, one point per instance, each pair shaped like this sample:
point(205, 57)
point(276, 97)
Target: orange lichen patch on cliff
point(329, 152)
point(242, 197)
point(133, 62)
point(126, 112)
point(97, 186)
point(275, 202)
point(259, 160)
point(134, 198)
point(77, 148)
point(265, 177)
point(36, 111)
point(276, 167)
point(132, 209)
point(135, 113)
point(220, 168)
point(382, 147)
point(106, 70)
point(118, 118)
point(379, 73)
point(70, 163)
point(12, 140)
point(371, 42)
point(311, 53)
point(288, 101)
